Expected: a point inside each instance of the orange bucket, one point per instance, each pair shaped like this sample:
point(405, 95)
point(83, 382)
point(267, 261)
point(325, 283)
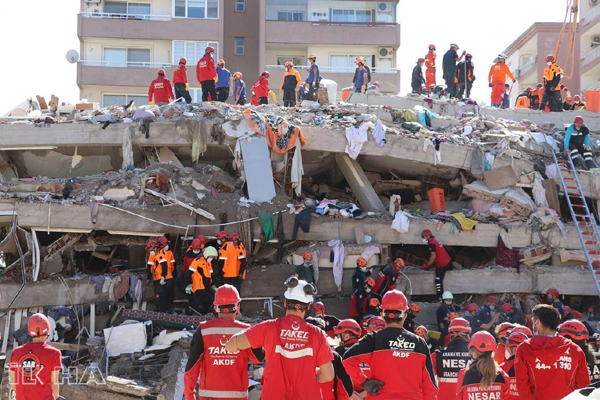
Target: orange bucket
point(437, 200)
point(346, 94)
point(592, 100)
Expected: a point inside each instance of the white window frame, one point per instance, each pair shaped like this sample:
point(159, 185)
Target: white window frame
point(198, 56)
point(240, 2)
point(302, 60)
point(127, 2)
point(236, 46)
point(331, 10)
point(186, 10)
point(123, 94)
point(129, 48)
point(351, 58)
point(292, 12)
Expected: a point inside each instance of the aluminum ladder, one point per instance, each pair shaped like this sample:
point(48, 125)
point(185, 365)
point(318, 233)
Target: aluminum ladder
point(585, 222)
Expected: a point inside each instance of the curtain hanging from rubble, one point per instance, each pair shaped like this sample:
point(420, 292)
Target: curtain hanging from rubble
point(339, 256)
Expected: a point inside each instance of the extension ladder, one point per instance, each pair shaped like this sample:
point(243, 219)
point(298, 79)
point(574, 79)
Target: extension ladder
point(584, 220)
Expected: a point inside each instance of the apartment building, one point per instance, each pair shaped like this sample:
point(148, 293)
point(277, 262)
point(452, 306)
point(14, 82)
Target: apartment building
point(589, 31)
point(124, 43)
point(527, 57)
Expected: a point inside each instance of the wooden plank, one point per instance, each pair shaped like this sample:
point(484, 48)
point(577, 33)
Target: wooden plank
point(6, 332)
point(42, 101)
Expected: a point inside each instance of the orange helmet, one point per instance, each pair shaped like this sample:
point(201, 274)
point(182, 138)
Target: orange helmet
point(452, 316)
point(506, 307)
point(374, 302)
point(483, 341)
point(376, 324)
point(574, 330)
point(492, 299)
point(361, 262)
point(515, 339)
point(151, 245)
point(459, 325)
point(347, 326)
point(370, 282)
point(237, 75)
point(398, 264)
point(183, 60)
point(307, 256)
point(504, 329)
point(577, 98)
point(288, 64)
point(577, 314)
point(38, 325)
point(162, 241)
point(234, 236)
point(394, 300)
point(209, 49)
point(414, 307)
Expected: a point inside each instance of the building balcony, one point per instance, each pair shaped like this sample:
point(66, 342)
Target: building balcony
point(590, 60)
point(527, 69)
point(354, 33)
point(590, 19)
point(105, 73)
point(136, 26)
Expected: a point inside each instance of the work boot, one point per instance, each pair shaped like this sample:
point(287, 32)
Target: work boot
point(577, 161)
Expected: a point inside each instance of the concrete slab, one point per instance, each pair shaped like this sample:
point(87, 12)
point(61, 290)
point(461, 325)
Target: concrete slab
point(360, 184)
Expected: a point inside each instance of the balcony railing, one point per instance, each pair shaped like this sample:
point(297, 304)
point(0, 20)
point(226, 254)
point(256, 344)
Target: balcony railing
point(133, 17)
point(125, 64)
point(590, 16)
point(338, 70)
point(527, 67)
point(359, 24)
point(591, 56)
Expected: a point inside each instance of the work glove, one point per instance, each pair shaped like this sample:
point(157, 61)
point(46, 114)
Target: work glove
point(199, 84)
point(425, 266)
point(372, 386)
point(163, 281)
point(187, 87)
point(464, 52)
point(188, 289)
point(151, 103)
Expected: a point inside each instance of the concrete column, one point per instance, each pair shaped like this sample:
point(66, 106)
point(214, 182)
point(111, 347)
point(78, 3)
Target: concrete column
point(261, 35)
point(360, 184)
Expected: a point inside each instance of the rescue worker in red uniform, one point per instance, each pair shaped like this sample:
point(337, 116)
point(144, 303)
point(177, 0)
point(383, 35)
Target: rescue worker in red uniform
point(206, 73)
point(448, 361)
point(261, 88)
point(180, 80)
point(430, 65)
point(508, 366)
point(387, 276)
point(330, 321)
point(232, 262)
point(502, 331)
point(400, 361)
point(484, 379)
point(293, 348)
point(160, 91)
point(577, 332)
point(497, 79)
point(223, 374)
point(438, 256)
point(375, 324)
point(35, 367)
point(347, 332)
point(549, 367)
point(360, 299)
point(200, 278)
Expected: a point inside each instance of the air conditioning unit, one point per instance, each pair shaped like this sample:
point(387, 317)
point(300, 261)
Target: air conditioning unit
point(385, 52)
point(93, 1)
point(382, 6)
point(594, 2)
point(595, 40)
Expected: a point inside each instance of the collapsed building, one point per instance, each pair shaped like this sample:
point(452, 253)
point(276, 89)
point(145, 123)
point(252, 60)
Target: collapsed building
point(83, 189)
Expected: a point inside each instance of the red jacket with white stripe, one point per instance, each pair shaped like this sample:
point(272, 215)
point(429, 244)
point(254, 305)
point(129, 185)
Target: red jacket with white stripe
point(508, 366)
point(398, 358)
point(447, 364)
point(469, 385)
point(223, 375)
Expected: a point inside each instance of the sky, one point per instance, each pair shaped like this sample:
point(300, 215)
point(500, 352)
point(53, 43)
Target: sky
point(36, 35)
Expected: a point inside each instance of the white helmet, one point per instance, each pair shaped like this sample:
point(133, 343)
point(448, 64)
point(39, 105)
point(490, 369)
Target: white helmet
point(502, 56)
point(454, 45)
point(447, 295)
point(298, 290)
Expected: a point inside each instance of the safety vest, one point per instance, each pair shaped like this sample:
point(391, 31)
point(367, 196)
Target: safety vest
point(241, 255)
point(522, 102)
point(430, 59)
point(200, 268)
point(441, 255)
point(163, 259)
point(550, 72)
point(449, 362)
point(232, 256)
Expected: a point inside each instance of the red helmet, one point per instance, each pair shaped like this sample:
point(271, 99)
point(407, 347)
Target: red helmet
point(566, 311)
point(468, 55)
point(266, 73)
point(432, 47)
point(376, 324)
point(578, 120)
point(539, 86)
point(553, 292)
point(515, 339)
point(574, 330)
point(577, 98)
point(370, 282)
point(504, 329)
point(361, 262)
point(196, 244)
point(421, 331)
point(398, 264)
point(577, 314)
point(506, 307)
point(307, 256)
point(234, 236)
point(319, 307)
point(421, 60)
point(162, 241)
point(414, 307)
point(459, 325)
point(183, 61)
point(492, 299)
point(550, 58)
point(426, 233)
point(394, 300)
point(529, 89)
point(222, 235)
point(161, 71)
point(374, 302)
point(522, 329)
point(38, 325)
point(226, 295)
point(151, 245)
point(202, 239)
point(483, 341)
point(349, 326)
point(472, 307)
point(210, 49)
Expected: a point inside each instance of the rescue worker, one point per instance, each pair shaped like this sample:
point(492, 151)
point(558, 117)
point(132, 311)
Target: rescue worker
point(432, 343)
point(35, 367)
point(465, 72)
point(362, 59)
point(486, 311)
point(417, 77)
point(293, 348)
point(349, 332)
point(578, 334)
point(449, 67)
point(568, 104)
point(553, 298)
point(497, 79)
point(201, 278)
point(524, 99)
point(474, 319)
point(375, 324)
point(361, 272)
point(413, 310)
point(290, 84)
point(448, 361)
point(484, 379)
point(579, 317)
point(223, 374)
point(207, 74)
point(163, 273)
point(261, 88)
point(360, 299)
point(536, 96)
point(509, 314)
point(224, 81)
point(373, 304)
point(577, 141)
point(331, 321)
point(185, 278)
point(524, 330)
point(151, 247)
point(506, 97)
point(577, 103)
point(443, 313)
point(387, 276)
point(361, 83)
point(552, 76)
point(508, 366)
point(313, 80)
point(160, 91)
point(438, 256)
point(193, 252)
point(219, 241)
point(547, 366)
point(400, 362)
point(232, 262)
point(239, 89)
point(430, 65)
point(502, 332)
point(180, 80)
point(306, 270)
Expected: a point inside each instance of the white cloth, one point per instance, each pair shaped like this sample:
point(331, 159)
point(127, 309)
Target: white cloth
point(356, 137)
point(539, 193)
point(401, 222)
point(395, 204)
point(379, 133)
point(370, 250)
point(297, 171)
point(338, 262)
point(316, 257)
point(467, 131)
point(138, 296)
point(437, 154)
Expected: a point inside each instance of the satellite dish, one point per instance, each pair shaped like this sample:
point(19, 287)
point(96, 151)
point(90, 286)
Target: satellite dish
point(72, 56)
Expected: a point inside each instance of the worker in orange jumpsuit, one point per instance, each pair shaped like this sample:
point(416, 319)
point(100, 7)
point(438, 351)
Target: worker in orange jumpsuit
point(163, 273)
point(240, 257)
point(199, 280)
point(552, 76)
point(232, 261)
point(430, 64)
point(497, 79)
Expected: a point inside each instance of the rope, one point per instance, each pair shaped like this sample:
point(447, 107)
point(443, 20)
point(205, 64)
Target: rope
point(570, 21)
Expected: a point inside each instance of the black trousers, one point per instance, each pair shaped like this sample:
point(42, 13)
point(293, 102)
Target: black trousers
point(553, 99)
point(263, 100)
point(241, 102)
point(440, 273)
point(222, 94)
point(208, 87)
point(181, 92)
point(164, 295)
point(202, 301)
point(451, 87)
point(462, 87)
point(289, 97)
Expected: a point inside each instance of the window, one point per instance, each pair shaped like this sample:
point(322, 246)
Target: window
point(196, 95)
point(296, 60)
point(115, 57)
point(345, 62)
point(338, 15)
point(137, 9)
point(193, 51)
point(138, 58)
point(290, 16)
point(196, 8)
point(122, 99)
point(239, 46)
point(240, 5)
point(115, 8)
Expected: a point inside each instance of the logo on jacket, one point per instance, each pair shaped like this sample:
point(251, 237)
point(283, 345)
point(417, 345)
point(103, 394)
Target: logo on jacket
point(223, 341)
point(295, 326)
point(30, 367)
point(401, 344)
